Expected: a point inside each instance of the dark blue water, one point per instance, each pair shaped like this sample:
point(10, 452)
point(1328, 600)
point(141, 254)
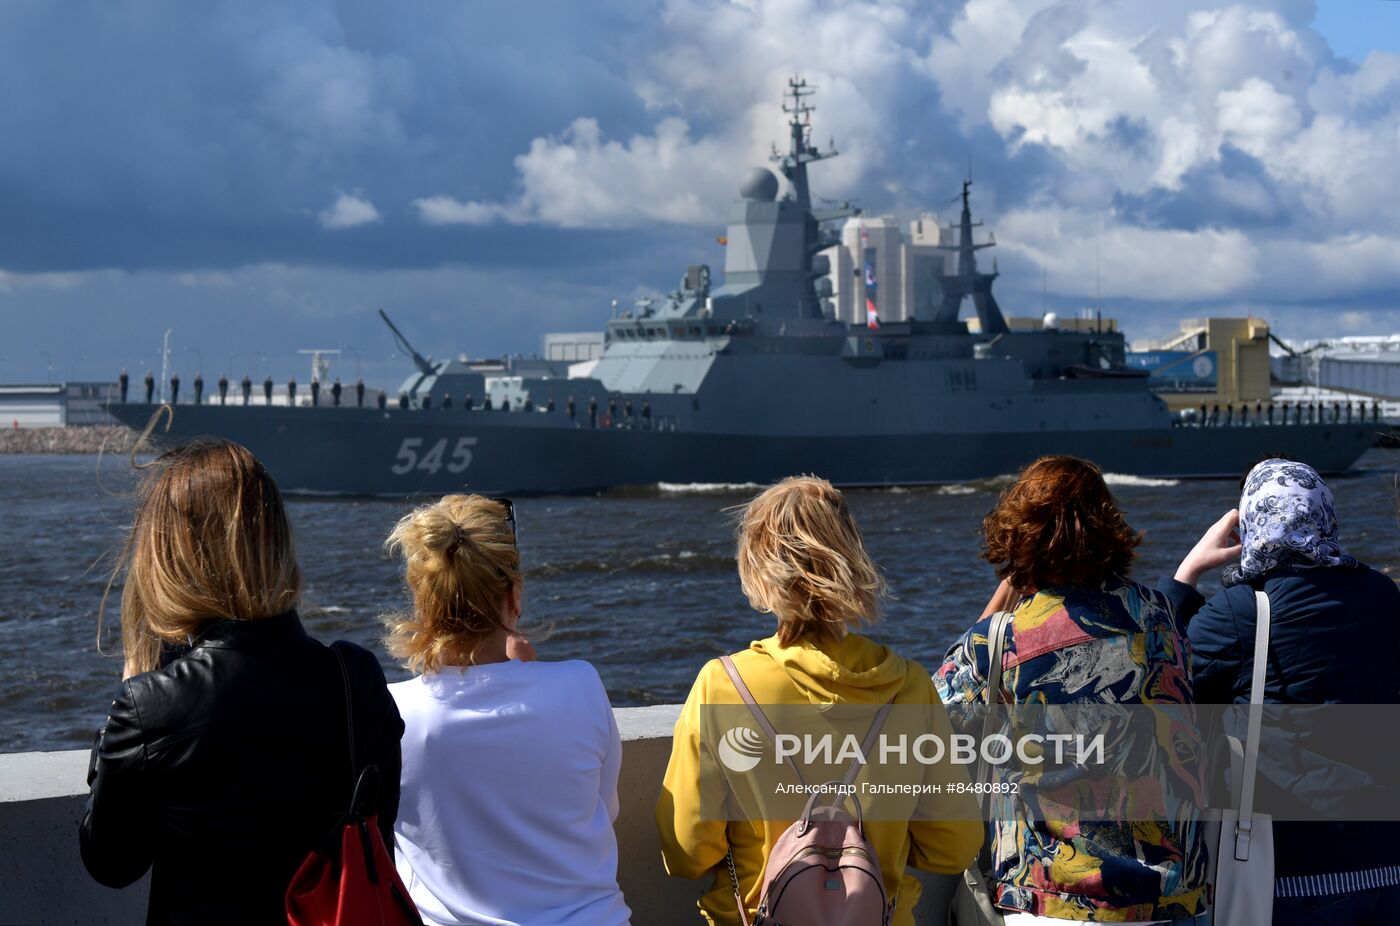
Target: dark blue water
point(643, 585)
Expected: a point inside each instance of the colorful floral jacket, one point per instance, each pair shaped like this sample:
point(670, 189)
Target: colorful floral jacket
point(1095, 649)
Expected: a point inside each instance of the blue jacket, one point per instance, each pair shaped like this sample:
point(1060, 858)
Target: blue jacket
point(1334, 639)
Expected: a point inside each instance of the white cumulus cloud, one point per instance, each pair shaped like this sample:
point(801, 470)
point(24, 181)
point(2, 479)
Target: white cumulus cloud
point(447, 210)
point(579, 179)
point(1206, 150)
point(723, 66)
point(348, 211)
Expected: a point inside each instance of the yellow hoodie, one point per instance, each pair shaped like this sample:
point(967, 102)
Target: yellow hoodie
point(853, 670)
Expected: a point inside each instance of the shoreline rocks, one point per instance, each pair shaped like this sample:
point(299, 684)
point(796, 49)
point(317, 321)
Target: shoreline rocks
point(75, 440)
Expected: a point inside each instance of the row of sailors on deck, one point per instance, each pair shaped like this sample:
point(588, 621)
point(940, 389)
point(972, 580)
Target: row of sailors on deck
point(1317, 412)
point(246, 387)
point(224, 760)
point(404, 402)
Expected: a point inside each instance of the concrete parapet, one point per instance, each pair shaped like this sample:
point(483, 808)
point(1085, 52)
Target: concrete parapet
point(42, 879)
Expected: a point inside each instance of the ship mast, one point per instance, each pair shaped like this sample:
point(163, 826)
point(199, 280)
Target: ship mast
point(801, 151)
point(967, 281)
point(793, 165)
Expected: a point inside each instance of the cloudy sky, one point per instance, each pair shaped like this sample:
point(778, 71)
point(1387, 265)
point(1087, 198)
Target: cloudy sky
point(260, 177)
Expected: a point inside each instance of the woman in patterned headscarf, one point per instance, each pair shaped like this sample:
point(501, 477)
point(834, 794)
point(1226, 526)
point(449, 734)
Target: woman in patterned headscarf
point(1334, 638)
point(1287, 521)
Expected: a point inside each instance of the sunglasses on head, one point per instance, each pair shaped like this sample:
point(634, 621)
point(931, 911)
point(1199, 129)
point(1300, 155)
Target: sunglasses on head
point(510, 519)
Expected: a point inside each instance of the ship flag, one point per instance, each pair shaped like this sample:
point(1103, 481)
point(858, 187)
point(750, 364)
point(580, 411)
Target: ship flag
point(872, 314)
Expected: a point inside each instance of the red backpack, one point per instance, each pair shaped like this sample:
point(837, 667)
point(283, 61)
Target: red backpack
point(822, 871)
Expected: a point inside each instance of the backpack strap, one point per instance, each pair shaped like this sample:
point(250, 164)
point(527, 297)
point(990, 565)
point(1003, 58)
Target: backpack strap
point(758, 715)
point(868, 744)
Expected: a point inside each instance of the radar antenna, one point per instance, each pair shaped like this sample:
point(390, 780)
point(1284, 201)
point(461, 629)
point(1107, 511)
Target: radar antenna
point(801, 151)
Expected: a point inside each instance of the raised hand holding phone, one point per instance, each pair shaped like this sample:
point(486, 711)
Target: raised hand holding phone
point(1220, 544)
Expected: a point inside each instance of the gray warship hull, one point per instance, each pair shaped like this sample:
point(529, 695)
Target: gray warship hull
point(367, 452)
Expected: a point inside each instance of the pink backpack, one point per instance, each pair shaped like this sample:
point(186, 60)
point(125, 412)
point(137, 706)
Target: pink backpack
point(822, 871)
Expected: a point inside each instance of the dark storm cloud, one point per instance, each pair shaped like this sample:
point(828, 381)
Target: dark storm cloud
point(194, 135)
point(1236, 191)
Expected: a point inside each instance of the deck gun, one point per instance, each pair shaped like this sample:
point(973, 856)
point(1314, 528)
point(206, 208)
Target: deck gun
point(418, 359)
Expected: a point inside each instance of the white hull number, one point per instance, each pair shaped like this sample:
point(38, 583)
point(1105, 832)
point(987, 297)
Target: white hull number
point(431, 460)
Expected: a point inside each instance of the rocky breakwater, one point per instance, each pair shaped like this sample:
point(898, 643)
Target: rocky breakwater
point(98, 438)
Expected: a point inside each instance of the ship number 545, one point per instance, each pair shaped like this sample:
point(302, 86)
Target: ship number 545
point(431, 460)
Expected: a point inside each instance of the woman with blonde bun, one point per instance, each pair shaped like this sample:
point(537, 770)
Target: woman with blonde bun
point(225, 758)
point(510, 765)
point(802, 560)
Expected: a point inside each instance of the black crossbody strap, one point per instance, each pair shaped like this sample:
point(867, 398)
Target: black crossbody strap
point(349, 715)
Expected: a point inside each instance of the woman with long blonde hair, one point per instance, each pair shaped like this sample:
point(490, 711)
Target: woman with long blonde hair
point(802, 560)
point(226, 757)
point(510, 764)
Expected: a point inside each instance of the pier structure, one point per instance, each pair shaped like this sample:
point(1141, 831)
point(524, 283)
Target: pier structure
point(1363, 366)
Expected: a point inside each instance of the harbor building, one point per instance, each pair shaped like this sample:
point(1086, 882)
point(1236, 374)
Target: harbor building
point(1364, 366)
point(1211, 361)
point(55, 405)
point(1363, 370)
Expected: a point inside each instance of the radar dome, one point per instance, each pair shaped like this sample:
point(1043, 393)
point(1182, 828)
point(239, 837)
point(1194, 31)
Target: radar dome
point(759, 184)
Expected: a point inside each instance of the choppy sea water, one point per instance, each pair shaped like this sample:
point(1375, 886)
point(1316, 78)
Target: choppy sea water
point(642, 583)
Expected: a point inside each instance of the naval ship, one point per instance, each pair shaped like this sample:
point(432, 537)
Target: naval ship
point(757, 379)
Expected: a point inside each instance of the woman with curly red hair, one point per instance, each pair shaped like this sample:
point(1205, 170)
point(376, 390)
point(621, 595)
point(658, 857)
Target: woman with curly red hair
point(1082, 632)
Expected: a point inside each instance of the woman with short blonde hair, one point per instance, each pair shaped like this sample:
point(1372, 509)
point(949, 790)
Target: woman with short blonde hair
point(510, 765)
point(226, 757)
point(802, 559)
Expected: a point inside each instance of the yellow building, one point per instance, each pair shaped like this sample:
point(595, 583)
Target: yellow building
point(1215, 361)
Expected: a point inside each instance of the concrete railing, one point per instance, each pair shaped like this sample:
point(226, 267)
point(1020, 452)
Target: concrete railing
point(42, 879)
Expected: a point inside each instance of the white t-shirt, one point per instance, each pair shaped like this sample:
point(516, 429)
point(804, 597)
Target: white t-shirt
point(509, 796)
point(1030, 919)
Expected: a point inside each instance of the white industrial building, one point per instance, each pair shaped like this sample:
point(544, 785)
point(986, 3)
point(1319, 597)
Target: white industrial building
point(906, 267)
point(55, 405)
point(1342, 369)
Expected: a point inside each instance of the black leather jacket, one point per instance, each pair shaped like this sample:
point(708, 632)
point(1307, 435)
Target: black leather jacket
point(222, 770)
